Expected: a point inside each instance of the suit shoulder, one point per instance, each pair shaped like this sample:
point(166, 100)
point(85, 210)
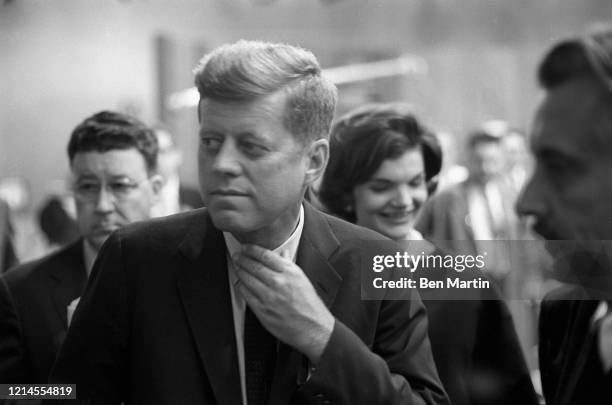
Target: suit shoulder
point(344, 230)
point(160, 230)
point(28, 273)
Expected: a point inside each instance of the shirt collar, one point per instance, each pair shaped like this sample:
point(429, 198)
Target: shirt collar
point(289, 246)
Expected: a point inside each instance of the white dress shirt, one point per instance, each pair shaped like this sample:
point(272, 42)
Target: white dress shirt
point(604, 334)
point(287, 249)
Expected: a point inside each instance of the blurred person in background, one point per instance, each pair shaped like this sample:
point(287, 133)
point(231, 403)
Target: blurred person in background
point(113, 164)
point(479, 208)
point(452, 171)
point(28, 242)
point(175, 197)
point(518, 159)
point(8, 258)
point(569, 197)
point(477, 215)
point(383, 167)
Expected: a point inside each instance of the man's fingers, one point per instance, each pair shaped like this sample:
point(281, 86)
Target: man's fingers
point(254, 285)
point(255, 269)
point(251, 299)
point(266, 257)
point(248, 264)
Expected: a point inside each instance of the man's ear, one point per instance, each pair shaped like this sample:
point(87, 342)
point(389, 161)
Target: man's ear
point(317, 155)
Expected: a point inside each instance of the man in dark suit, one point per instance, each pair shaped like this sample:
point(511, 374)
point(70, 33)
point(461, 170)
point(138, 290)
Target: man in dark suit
point(570, 196)
point(257, 298)
point(112, 160)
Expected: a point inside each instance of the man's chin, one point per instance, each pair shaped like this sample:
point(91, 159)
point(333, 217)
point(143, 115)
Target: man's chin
point(229, 221)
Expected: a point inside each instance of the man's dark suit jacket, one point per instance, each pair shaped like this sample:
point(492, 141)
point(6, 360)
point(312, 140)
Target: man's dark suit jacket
point(155, 325)
point(34, 313)
point(570, 365)
point(477, 352)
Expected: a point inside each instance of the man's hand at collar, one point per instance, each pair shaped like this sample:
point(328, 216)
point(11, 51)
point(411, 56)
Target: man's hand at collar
point(284, 300)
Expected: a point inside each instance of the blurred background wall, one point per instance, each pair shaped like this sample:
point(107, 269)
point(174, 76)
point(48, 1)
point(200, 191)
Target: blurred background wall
point(62, 60)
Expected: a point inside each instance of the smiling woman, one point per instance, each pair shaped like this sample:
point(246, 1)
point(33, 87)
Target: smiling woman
point(382, 168)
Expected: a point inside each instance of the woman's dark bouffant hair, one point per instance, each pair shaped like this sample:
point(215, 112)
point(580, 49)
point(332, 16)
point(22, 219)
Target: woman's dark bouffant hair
point(362, 140)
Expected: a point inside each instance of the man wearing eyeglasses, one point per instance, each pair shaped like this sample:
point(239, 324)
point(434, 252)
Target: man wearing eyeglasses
point(113, 159)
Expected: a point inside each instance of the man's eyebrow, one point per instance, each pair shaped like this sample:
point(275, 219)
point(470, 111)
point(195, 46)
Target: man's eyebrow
point(209, 131)
point(86, 176)
point(250, 135)
point(121, 177)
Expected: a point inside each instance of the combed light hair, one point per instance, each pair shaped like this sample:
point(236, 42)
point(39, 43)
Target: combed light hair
point(248, 70)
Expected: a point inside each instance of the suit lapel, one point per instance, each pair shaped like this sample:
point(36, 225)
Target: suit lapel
point(69, 279)
point(578, 347)
point(204, 291)
point(317, 244)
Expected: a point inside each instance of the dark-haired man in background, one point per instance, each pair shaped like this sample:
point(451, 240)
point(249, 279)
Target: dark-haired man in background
point(570, 198)
point(113, 161)
point(257, 298)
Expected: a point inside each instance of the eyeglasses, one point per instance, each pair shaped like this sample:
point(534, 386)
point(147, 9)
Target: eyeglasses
point(120, 189)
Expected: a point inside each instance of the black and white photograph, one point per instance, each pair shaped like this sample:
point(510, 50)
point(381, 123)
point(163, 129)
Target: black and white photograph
point(275, 202)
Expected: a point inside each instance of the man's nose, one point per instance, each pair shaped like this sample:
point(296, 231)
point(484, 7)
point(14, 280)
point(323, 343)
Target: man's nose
point(226, 161)
point(531, 201)
point(105, 201)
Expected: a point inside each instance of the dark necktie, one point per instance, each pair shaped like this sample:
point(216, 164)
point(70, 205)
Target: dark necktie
point(259, 359)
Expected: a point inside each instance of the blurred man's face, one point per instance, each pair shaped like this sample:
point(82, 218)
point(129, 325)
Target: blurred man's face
point(252, 170)
point(516, 150)
point(570, 192)
point(111, 189)
point(487, 161)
